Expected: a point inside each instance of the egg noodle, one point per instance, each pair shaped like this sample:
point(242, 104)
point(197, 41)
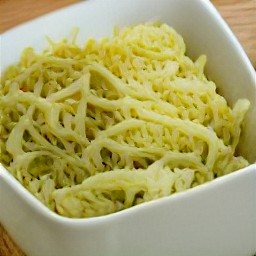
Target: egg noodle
point(127, 119)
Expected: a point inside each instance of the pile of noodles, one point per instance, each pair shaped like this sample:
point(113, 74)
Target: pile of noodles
point(96, 129)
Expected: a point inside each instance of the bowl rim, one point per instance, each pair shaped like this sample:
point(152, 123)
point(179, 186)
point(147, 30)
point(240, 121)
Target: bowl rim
point(46, 213)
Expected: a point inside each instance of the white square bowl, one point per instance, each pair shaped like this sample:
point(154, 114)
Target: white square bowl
point(214, 219)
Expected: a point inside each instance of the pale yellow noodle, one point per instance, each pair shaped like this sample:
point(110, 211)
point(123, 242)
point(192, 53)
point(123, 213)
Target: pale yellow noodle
point(118, 122)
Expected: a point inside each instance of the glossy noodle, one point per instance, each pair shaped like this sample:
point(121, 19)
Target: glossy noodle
point(97, 129)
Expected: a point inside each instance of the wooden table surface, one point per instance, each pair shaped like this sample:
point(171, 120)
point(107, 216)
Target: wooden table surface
point(239, 14)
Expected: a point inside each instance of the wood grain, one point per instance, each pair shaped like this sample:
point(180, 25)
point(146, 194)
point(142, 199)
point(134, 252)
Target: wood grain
point(241, 17)
point(7, 246)
point(13, 12)
point(239, 14)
